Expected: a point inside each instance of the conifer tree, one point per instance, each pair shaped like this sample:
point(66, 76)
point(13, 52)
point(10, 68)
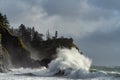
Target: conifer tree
point(3, 21)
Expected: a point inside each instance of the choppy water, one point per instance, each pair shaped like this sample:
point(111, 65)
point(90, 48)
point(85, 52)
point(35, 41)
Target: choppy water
point(42, 74)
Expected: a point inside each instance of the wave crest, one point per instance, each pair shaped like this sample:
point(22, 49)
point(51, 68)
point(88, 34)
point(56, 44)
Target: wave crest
point(69, 60)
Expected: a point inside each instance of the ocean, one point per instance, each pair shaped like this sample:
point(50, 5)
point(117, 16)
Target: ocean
point(69, 65)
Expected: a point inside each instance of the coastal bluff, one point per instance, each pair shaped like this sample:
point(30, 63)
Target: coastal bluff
point(20, 53)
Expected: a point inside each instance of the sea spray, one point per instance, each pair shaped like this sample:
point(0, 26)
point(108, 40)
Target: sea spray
point(72, 64)
point(68, 61)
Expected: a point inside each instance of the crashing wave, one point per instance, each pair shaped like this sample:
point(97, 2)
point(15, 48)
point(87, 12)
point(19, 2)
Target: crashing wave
point(69, 60)
point(69, 63)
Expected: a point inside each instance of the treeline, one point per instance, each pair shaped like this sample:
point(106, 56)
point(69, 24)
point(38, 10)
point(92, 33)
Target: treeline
point(29, 35)
point(4, 21)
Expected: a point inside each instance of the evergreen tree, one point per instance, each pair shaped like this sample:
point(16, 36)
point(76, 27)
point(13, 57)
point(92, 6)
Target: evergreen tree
point(25, 33)
point(56, 34)
point(48, 35)
point(32, 33)
point(3, 21)
point(37, 40)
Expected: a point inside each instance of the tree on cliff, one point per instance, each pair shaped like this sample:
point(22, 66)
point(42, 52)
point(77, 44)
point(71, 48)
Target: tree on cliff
point(56, 34)
point(24, 33)
point(30, 36)
point(3, 21)
point(48, 36)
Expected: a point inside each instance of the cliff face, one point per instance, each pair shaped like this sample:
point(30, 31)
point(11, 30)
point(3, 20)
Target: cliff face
point(5, 60)
point(48, 49)
point(20, 56)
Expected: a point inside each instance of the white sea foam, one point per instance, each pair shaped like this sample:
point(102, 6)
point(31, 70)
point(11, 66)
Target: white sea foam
point(73, 64)
point(69, 60)
point(44, 74)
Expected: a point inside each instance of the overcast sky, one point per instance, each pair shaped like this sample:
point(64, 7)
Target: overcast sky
point(94, 24)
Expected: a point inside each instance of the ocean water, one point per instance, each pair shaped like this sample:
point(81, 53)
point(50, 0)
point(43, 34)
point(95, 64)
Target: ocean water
point(43, 74)
point(69, 65)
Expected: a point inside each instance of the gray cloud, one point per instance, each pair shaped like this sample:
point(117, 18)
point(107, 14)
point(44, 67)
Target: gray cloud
point(81, 9)
point(66, 14)
point(95, 23)
point(10, 8)
point(103, 48)
point(108, 4)
point(62, 7)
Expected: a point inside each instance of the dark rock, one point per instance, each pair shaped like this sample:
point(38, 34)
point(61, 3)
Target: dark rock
point(20, 56)
point(60, 73)
point(49, 47)
point(44, 62)
point(5, 61)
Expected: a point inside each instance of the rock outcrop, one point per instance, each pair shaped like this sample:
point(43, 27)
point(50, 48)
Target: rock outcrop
point(49, 47)
point(20, 56)
point(5, 60)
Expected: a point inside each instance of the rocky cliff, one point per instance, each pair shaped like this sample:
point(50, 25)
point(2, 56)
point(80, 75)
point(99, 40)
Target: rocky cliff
point(48, 48)
point(5, 60)
point(20, 56)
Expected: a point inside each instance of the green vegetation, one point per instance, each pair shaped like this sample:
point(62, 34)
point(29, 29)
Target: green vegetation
point(4, 21)
point(22, 44)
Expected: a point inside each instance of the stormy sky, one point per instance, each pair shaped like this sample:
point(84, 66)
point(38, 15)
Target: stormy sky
point(94, 24)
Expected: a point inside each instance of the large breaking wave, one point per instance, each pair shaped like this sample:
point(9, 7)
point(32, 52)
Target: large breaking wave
point(69, 60)
point(69, 63)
